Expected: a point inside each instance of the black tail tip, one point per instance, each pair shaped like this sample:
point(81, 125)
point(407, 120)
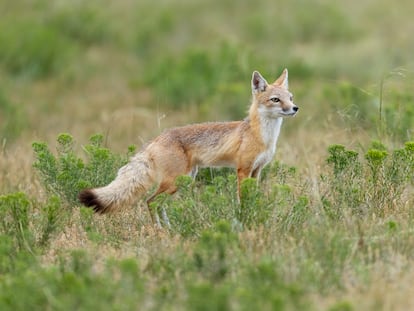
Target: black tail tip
point(88, 198)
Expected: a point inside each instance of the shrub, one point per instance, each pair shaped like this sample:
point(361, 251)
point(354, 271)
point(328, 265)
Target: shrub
point(354, 105)
point(73, 284)
point(51, 218)
point(25, 225)
point(195, 76)
point(211, 255)
point(196, 209)
point(188, 78)
point(344, 185)
point(14, 220)
point(279, 173)
point(152, 30)
point(399, 115)
point(376, 184)
point(31, 49)
point(13, 119)
point(335, 26)
point(81, 23)
point(253, 208)
point(66, 174)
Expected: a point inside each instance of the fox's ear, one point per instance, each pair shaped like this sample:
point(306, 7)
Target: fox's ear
point(283, 79)
point(259, 84)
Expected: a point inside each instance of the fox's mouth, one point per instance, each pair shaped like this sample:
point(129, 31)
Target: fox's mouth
point(288, 114)
point(293, 111)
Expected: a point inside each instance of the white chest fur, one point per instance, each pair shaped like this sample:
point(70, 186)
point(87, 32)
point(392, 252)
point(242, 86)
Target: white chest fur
point(270, 130)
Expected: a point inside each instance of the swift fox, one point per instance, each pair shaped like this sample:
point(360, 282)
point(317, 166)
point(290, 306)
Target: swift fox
point(246, 145)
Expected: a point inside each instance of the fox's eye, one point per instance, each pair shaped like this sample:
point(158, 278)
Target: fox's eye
point(275, 99)
point(291, 98)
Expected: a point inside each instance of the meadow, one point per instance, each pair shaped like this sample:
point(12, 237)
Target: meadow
point(83, 85)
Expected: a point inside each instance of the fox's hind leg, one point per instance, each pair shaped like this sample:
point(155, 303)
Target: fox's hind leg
point(193, 172)
point(168, 187)
point(172, 162)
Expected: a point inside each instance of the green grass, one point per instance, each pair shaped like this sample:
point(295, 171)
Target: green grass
point(13, 118)
point(270, 252)
point(30, 49)
point(329, 227)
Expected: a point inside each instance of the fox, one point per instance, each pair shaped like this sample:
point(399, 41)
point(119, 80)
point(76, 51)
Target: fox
point(247, 145)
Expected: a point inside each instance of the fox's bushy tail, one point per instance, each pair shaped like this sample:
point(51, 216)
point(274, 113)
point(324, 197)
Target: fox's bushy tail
point(132, 180)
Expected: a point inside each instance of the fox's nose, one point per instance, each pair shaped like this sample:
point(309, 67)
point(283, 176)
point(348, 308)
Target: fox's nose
point(295, 109)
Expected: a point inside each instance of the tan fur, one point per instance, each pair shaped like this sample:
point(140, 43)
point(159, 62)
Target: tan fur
point(246, 145)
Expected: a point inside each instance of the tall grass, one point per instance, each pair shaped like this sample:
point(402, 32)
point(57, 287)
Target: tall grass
point(278, 244)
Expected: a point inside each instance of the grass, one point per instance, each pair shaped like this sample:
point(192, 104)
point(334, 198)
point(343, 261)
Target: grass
point(329, 227)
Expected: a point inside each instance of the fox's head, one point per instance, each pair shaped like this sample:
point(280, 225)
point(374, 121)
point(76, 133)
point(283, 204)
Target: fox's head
point(273, 100)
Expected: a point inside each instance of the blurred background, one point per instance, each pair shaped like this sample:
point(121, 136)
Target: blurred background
point(128, 69)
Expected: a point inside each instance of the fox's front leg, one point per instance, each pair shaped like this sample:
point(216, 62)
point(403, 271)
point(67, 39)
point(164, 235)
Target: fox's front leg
point(242, 173)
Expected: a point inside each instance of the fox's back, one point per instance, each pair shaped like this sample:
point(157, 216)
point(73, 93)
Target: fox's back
point(205, 144)
point(208, 134)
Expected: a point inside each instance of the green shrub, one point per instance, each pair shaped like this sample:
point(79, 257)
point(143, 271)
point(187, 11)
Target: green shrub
point(345, 162)
point(398, 114)
point(335, 26)
point(205, 296)
point(390, 174)
point(188, 78)
point(342, 306)
point(344, 184)
point(265, 289)
point(52, 216)
point(327, 257)
point(32, 49)
point(211, 255)
point(14, 220)
point(279, 173)
point(184, 211)
point(74, 284)
point(355, 106)
point(26, 224)
point(7, 254)
point(13, 119)
point(376, 184)
point(195, 209)
point(206, 176)
point(387, 176)
point(81, 23)
point(198, 206)
point(376, 160)
point(292, 213)
point(152, 31)
point(66, 174)
point(253, 208)
point(196, 75)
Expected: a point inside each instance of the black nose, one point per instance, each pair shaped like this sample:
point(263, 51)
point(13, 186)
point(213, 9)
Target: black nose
point(296, 108)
